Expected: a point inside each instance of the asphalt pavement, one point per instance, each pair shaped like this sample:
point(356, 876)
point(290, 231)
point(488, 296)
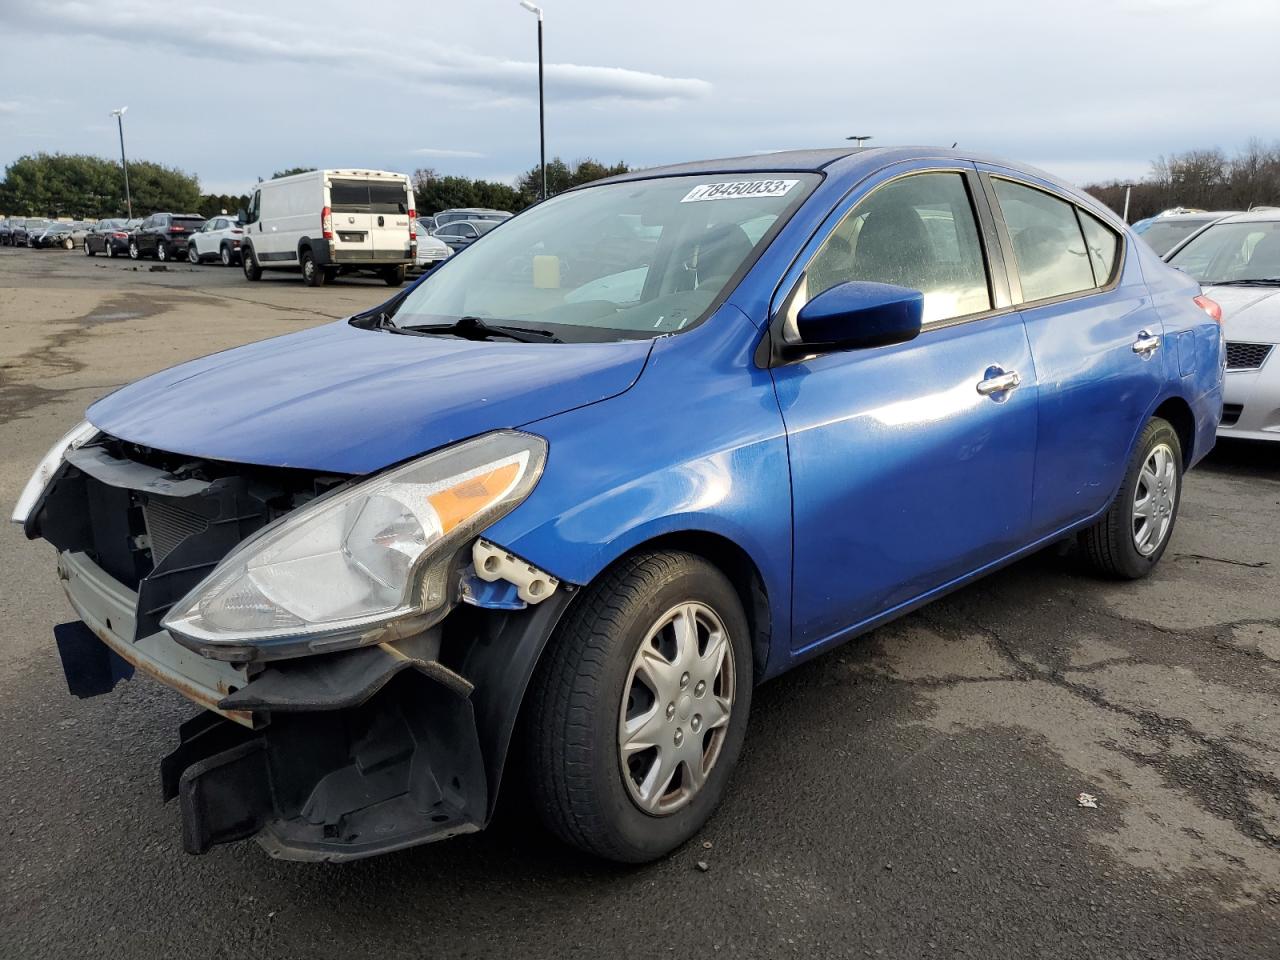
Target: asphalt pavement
point(913, 794)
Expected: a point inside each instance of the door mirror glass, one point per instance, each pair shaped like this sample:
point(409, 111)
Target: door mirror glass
point(857, 314)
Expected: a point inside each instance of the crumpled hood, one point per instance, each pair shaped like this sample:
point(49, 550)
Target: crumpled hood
point(1251, 314)
point(341, 399)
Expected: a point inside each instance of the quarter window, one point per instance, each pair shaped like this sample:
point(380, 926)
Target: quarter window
point(1103, 244)
point(918, 232)
point(1048, 245)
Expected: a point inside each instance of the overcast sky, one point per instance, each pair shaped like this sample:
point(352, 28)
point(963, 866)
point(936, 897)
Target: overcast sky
point(231, 91)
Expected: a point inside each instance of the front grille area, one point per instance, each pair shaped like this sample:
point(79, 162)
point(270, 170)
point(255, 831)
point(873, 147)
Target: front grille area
point(1246, 356)
point(1231, 413)
point(158, 523)
point(168, 525)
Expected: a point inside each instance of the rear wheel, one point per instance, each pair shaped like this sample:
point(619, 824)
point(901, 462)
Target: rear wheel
point(312, 274)
point(68, 244)
point(1129, 539)
point(393, 276)
point(162, 251)
point(193, 255)
point(225, 254)
point(134, 252)
point(249, 264)
point(639, 706)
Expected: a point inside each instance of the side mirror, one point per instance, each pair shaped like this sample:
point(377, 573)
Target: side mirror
point(858, 314)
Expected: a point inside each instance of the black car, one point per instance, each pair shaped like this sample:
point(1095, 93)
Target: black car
point(6, 232)
point(23, 230)
point(110, 237)
point(164, 236)
point(462, 233)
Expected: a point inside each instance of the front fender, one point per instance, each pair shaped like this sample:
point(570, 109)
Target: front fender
point(697, 445)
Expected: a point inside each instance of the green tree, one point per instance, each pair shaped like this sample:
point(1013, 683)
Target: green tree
point(290, 171)
point(563, 176)
point(88, 187)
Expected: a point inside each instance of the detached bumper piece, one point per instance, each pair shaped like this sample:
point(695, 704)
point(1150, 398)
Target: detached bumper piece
point(333, 776)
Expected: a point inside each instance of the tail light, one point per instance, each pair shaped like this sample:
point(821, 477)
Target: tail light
point(413, 225)
point(176, 229)
point(326, 223)
point(1210, 307)
point(120, 236)
point(237, 232)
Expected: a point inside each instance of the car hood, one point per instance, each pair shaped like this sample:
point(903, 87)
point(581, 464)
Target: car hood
point(340, 399)
point(1248, 313)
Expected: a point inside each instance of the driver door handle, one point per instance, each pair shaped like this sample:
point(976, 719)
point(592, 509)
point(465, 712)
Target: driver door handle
point(1146, 344)
point(1001, 383)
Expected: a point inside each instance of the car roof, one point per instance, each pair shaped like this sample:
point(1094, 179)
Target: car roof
point(1205, 215)
point(1264, 214)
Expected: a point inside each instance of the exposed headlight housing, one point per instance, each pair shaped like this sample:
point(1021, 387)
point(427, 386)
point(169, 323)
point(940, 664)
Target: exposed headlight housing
point(78, 436)
point(339, 571)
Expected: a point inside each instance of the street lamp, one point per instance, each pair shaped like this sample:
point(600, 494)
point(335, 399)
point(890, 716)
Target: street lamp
point(860, 140)
point(128, 197)
point(542, 123)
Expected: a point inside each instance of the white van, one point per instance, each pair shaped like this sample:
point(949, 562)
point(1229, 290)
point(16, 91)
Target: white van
point(328, 222)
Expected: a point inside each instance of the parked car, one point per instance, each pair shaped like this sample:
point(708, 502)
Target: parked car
point(460, 234)
point(164, 236)
point(109, 237)
point(431, 251)
point(1166, 231)
point(218, 239)
point(23, 229)
point(454, 214)
point(60, 234)
point(6, 231)
point(482, 520)
point(328, 222)
point(1237, 260)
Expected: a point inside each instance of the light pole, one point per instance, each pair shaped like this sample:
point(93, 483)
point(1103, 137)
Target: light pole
point(860, 140)
point(542, 123)
point(128, 197)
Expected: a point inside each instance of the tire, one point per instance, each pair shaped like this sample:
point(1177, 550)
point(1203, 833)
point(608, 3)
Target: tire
point(193, 256)
point(1125, 543)
point(88, 250)
point(313, 275)
point(68, 244)
point(109, 249)
point(576, 711)
point(162, 252)
point(249, 264)
point(393, 276)
point(224, 254)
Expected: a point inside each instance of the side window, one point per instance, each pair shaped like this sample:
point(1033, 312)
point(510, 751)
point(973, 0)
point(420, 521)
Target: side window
point(251, 215)
point(917, 232)
point(467, 230)
point(1103, 245)
point(1047, 243)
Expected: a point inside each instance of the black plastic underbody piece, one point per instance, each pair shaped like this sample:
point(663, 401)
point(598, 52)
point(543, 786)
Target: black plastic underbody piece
point(89, 665)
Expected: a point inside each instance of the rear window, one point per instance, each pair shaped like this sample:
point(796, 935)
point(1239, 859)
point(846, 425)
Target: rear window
point(189, 221)
point(366, 196)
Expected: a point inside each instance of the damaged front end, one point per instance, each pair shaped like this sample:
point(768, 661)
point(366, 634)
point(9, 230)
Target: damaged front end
point(344, 719)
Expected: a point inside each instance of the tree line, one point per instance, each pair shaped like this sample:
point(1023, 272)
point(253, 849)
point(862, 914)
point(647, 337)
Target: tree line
point(1208, 179)
point(90, 188)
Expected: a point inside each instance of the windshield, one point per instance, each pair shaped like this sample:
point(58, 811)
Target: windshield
point(627, 260)
point(1163, 236)
point(1239, 252)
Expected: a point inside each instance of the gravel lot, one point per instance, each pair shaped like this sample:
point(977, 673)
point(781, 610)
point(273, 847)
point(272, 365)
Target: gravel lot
point(912, 794)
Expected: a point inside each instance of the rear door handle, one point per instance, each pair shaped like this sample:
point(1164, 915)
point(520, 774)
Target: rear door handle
point(1000, 383)
point(1146, 344)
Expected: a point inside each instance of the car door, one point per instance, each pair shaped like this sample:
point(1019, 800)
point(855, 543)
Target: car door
point(389, 219)
point(352, 220)
point(911, 464)
point(1095, 338)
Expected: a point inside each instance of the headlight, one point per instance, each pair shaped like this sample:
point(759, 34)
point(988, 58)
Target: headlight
point(79, 435)
point(328, 575)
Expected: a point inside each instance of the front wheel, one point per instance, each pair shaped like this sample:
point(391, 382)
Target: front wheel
point(639, 707)
point(249, 264)
point(193, 256)
point(88, 250)
point(68, 244)
point(134, 252)
point(1131, 537)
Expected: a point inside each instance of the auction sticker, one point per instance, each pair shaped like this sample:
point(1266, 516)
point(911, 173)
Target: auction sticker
point(738, 189)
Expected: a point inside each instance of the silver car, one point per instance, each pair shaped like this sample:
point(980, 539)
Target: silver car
point(1237, 261)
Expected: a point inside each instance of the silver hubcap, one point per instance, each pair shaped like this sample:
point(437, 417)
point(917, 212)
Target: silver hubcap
point(1154, 499)
point(676, 706)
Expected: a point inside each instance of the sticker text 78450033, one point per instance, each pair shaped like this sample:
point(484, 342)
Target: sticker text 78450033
point(738, 189)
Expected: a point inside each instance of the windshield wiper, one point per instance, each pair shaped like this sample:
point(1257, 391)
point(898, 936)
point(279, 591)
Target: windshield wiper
point(1251, 282)
point(477, 328)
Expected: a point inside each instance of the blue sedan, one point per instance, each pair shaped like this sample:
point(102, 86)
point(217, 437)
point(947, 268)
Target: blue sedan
point(573, 495)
